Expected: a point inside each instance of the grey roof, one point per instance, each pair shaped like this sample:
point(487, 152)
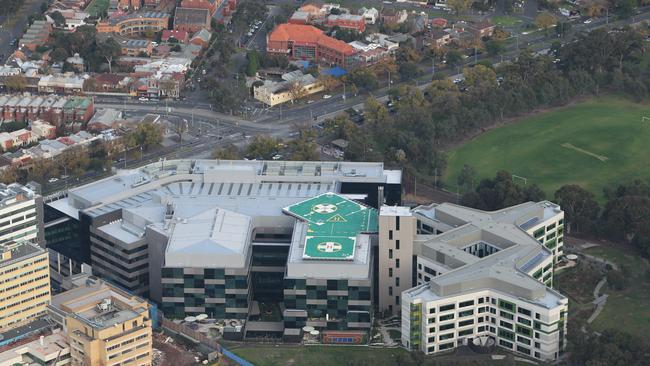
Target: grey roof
point(503, 271)
point(206, 208)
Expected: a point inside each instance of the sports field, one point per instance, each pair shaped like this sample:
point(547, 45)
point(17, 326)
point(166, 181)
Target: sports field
point(596, 143)
point(334, 222)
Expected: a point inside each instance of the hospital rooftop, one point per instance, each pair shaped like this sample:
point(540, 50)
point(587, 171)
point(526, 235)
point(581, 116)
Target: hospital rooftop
point(504, 271)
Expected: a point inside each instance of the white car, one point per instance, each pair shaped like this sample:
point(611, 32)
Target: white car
point(52, 180)
point(588, 21)
point(457, 81)
point(143, 99)
point(327, 96)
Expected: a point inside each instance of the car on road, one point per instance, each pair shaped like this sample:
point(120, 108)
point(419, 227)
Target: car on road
point(458, 81)
point(327, 96)
point(310, 101)
point(52, 180)
point(143, 99)
point(588, 21)
point(65, 176)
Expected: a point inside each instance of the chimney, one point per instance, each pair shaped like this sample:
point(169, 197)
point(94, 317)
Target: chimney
point(380, 197)
point(42, 340)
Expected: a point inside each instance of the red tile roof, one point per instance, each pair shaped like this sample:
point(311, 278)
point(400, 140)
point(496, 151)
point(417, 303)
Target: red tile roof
point(301, 33)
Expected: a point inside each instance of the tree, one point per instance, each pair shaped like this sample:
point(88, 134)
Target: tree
point(466, 178)
point(408, 70)
point(304, 147)
point(562, 28)
point(579, 205)
point(454, 58)
point(59, 19)
point(328, 82)
point(495, 47)
point(16, 83)
point(545, 20)
point(229, 152)
point(108, 50)
point(364, 79)
point(297, 91)
point(253, 63)
point(144, 136)
point(262, 147)
point(459, 6)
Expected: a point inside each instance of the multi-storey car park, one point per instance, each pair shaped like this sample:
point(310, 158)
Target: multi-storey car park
point(479, 277)
point(219, 237)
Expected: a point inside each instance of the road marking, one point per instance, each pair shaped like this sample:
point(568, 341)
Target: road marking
point(572, 147)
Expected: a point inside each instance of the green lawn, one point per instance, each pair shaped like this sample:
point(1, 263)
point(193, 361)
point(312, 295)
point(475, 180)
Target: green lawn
point(505, 21)
point(596, 143)
point(96, 7)
point(319, 355)
point(627, 310)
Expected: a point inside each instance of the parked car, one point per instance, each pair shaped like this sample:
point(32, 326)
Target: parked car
point(327, 96)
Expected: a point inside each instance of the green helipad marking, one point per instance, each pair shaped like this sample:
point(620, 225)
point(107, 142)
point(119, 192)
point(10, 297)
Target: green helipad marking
point(337, 218)
point(334, 222)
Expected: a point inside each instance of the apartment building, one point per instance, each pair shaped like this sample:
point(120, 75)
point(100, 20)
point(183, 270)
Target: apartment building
point(135, 23)
point(24, 284)
point(191, 19)
point(105, 326)
point(481, 278)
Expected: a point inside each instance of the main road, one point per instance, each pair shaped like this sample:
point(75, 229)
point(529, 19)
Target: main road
point(280, 122)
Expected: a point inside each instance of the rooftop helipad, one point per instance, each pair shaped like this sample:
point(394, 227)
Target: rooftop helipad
point(333, 224)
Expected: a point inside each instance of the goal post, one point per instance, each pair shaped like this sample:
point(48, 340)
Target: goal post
point(520, 178)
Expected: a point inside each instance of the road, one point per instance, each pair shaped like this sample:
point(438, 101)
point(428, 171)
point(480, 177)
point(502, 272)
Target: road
point(9, 33)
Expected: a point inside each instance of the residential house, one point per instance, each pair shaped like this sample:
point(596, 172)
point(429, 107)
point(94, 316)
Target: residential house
point(37, 35)
point(392, 17)
point(136, 47)
point(22, 137)
point(370, 15)
point(77, 62)
point(347, 21)
point(482, 29)
point(295, 84)
point(43, 130)
point(67, 83)
point(201, 38)
point(300, 17)
point(180, 35)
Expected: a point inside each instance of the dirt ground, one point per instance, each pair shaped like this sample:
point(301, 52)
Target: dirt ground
point(168, 352)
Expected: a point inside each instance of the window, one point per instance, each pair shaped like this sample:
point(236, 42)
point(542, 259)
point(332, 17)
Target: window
point(523, 350)
point(443, 318)
point(523, 310)
point(523, 340)
point(432, 311)
point(396, 300)
point(448, 307)
point(446, 327)
point(390, 234)
point(446, 346)
point(465, 313)
point(505, 324)
point(537, 345)
point(465, 332)
point(397, 223)
point(505, 344)
point(506, 334)
point(397, 281)
point(443, 337)
point(481, 300)
point(390, 272)
point(506, 315)
point(390, 290)
point(397, 244)
point(397, 263)
point(507, 305)
point(524, 321)
point(390, 254)
point(524, 330)
point(466, 303)
point(466, 322)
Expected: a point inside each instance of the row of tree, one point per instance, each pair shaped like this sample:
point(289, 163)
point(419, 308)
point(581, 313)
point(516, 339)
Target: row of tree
point(263, 147)
point(624, 218)
point(418, 126)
